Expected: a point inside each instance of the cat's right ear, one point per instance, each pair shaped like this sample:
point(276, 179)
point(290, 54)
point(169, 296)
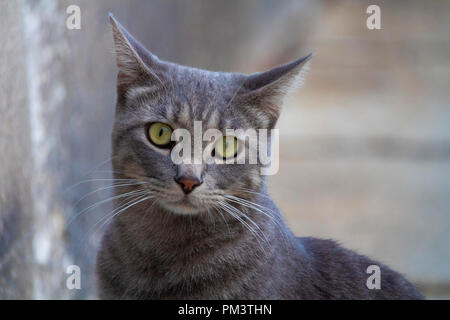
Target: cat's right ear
point(137, 66)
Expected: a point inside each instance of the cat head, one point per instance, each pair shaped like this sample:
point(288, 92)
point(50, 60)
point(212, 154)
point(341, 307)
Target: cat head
point(156, 99)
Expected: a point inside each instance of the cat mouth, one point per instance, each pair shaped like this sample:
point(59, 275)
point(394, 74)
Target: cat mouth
point(185, 205)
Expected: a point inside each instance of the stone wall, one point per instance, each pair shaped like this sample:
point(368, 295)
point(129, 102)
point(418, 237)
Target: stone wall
point(16, 219)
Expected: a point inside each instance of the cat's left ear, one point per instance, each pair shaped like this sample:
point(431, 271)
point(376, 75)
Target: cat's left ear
point(264, 92)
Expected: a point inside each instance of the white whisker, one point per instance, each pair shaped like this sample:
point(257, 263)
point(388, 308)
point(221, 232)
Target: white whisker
point(82, 212)
point(235, 213)
point(106, 188)
point(135, 201)
point(259, 208)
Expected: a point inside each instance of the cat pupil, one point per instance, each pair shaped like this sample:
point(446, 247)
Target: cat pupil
point(161, 131)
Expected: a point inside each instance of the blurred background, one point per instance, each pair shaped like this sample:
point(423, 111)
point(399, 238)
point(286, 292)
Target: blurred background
point(365, 144)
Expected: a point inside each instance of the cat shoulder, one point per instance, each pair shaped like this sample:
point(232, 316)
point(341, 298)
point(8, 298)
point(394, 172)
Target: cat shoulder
point(336, 264)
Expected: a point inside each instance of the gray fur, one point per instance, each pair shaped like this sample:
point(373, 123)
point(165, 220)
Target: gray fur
point(177, 246)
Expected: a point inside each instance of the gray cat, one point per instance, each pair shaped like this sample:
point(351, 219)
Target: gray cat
point(210, 231)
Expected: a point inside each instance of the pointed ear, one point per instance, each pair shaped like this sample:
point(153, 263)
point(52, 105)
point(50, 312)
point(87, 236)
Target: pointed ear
point(137, 66)
point(264, 92)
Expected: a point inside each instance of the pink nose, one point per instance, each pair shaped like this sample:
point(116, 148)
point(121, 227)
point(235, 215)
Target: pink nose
point(188, 184)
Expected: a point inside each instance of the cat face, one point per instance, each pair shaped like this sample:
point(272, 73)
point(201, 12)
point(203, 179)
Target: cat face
point(157, 98)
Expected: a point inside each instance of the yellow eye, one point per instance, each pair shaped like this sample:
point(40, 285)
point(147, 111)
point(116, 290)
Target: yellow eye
point(226, 147)
point(160, 134)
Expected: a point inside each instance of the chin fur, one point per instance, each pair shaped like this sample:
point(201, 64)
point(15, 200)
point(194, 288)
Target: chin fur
point(181, 208)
